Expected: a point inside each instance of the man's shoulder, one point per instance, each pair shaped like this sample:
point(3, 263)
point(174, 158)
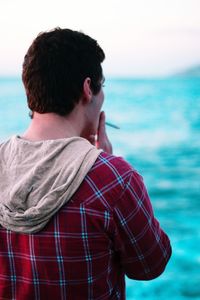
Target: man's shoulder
point(104, 184)
point(5, 148)
point(110, 160)
point(111, 166)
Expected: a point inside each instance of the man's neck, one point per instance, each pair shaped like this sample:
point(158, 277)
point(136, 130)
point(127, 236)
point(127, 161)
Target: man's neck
point(50, 126)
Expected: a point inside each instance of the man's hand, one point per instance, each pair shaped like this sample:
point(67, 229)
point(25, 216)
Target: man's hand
point(102, 141)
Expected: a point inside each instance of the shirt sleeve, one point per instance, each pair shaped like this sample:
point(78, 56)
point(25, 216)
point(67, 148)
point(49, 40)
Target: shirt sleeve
point(140, 244)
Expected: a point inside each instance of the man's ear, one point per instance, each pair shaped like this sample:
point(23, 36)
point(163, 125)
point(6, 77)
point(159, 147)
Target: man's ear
point(87, 92)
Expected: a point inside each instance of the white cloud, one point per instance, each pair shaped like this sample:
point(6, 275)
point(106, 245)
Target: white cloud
point(139, 36)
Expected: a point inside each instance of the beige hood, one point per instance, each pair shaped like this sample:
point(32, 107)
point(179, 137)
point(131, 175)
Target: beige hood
point(38, 178)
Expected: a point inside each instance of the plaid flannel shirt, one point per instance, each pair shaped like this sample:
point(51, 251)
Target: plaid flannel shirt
point(105, 231)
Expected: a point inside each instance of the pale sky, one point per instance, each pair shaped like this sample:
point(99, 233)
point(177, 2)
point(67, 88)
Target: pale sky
point(139, 37)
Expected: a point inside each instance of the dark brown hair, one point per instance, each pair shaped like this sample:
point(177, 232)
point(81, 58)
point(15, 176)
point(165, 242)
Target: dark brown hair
point(55, 68)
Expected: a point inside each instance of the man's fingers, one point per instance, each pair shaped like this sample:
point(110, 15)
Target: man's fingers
point(102, 126)
point(102, 138)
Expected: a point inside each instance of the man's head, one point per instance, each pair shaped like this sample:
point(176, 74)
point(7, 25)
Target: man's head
point(55, 68)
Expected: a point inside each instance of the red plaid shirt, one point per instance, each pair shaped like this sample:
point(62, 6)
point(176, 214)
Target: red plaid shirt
point(107, 230)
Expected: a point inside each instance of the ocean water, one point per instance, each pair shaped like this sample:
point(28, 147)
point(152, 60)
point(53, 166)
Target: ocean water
point(159, 135)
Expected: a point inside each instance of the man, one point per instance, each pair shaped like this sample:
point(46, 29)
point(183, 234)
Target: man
point(74, 218)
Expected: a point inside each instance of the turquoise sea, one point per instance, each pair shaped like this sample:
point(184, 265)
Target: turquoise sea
point(159, 135)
